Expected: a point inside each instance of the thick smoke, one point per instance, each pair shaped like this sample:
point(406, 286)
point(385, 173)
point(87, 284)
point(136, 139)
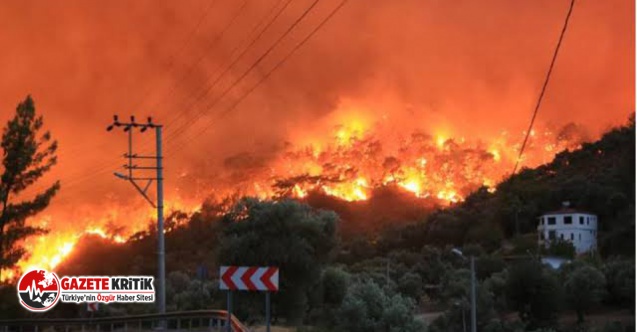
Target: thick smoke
point(453, 68)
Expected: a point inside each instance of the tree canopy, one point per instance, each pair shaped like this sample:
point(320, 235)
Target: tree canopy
point(28, 153)
point(286, 234)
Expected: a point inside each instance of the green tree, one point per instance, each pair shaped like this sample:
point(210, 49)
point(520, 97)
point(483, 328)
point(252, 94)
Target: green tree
point(534, 292)
point(335, 283)
point(620, 282)
point(410, 285)
point(495, 286)
point(328, 296)
point(286, 234)
point(27, 155)
point(368, 308)
point(560, 248)
point(585, 288)
point(184, 293)
point(456, 295)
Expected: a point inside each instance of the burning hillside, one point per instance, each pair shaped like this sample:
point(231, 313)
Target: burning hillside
point(354, 160)
point(425, 99)
point(349, 164)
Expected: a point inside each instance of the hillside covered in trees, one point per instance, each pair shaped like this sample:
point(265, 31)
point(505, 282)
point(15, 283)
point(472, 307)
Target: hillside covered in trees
point(374, 281)
point(599, 177)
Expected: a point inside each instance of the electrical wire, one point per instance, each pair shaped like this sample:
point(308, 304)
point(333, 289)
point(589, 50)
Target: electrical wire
point(254, 65)
point(269, 73)
point(227, 69)
point(546, 82)
point(213, 44)
point(167, 68)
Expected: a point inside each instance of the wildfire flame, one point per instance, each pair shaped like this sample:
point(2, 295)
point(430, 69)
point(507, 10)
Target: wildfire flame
point(348, 164)
point(48, 251)
point(355, 160)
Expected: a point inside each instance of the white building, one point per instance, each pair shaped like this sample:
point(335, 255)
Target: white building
point(577, 227)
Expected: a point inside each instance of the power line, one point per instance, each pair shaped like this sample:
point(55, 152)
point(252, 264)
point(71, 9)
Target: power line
point(253, 66)
point(243, 52)
point(77, 181)
point(168, 67)
point(213, 44)
point(269, 73)
point(286, 57)
point(546, 82)
point(108, 167)
point(180, 49)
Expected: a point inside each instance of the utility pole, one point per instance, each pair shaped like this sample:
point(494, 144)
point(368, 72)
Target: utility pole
point(132, 178)
point(474, 327)
point(474, 324)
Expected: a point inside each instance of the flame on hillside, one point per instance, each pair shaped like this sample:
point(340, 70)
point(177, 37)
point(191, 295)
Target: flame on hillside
point(49, 250)
point(356, 157)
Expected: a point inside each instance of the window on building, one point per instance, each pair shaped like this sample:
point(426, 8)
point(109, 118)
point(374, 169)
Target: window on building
point(551, 235)
point(568, 220)
point(588, 220)
point(551, 220)
point(581, 220)
point(562, 236)
point(572, 236)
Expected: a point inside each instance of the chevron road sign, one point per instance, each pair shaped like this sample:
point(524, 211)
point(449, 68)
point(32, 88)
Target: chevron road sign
point(249, 278)
point(92, 306)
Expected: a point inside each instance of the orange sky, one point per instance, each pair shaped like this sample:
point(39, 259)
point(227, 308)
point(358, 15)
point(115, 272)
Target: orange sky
point(470, 68)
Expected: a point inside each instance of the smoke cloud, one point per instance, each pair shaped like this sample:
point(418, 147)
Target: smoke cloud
point(453, 68)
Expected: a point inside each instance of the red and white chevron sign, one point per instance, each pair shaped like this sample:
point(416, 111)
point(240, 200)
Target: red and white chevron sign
point(250, 278)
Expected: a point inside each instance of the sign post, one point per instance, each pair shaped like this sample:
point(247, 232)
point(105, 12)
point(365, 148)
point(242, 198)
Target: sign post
point(249, 278)
point(267, 311)
point(229, 309)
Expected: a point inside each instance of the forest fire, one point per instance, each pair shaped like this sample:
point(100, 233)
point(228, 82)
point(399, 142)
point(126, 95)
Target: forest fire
point(397, 96)
point(49, 250)
point(353, 160)
point(348, 165)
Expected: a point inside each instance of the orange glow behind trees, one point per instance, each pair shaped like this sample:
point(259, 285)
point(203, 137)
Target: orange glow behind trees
point(430, 97)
